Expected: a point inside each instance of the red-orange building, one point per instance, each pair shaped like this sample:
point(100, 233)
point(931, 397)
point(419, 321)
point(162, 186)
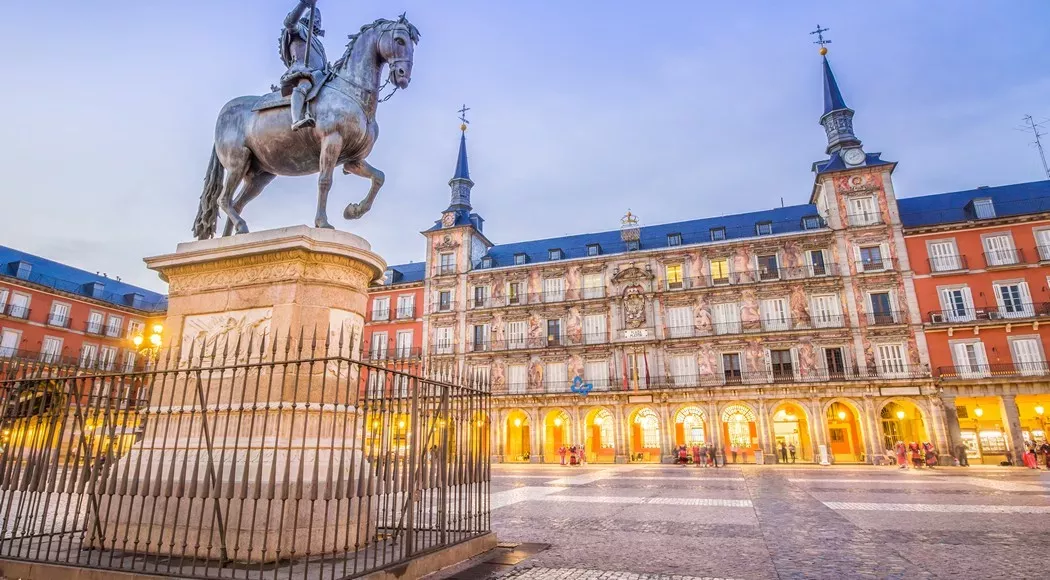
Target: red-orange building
point(394, 319)
point(981, 260)
point(54, 313)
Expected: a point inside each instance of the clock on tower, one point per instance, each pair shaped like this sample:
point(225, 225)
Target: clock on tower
point(448, 219)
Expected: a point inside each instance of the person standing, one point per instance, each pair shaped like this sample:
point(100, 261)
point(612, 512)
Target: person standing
point(783, 453)
point(961, 454)
point(732, 449)
point(792, 450)
point(902, 455)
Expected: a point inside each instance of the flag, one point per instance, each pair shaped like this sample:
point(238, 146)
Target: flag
point(645, 358)
point(625, 370)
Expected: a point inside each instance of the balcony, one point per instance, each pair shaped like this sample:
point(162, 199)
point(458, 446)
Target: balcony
point(14, 311)
point(1044, 253)
point(113, 331)
point(550, 341)
point(94, 328)
point(888, 318)
point(942, 264)
point(406, 313)
point(876, 265)
point(380, 315)
point(752, 277)
point(765, 326)
point(442, 306)
point(1003, 258)
point(446, 269)
point(1006, 370)
point(990, 314)
point(872, 218)
point(58, 320)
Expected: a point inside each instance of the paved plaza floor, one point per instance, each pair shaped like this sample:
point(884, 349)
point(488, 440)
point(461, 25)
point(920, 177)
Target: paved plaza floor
point(611, 522)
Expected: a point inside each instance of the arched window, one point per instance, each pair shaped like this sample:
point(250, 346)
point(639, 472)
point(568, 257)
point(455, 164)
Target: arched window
point(650, 424)
point(604, 421)
point(692, 420)
point(738, 419)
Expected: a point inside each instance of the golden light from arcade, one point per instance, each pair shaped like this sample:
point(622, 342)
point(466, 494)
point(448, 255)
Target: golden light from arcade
point(517, 422)
point(1039, 410)
point(842, 415)
point(978, 411)
point(900, 415)
point(557, 421)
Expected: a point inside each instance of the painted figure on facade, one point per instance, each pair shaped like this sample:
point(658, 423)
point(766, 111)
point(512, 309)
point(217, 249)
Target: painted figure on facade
point(536, 376)
point(702, 316)
point(750, 315)
point(499, 377)
point(742, 266)
point(499, 334)
point(572, 283)
point(800, 307)
point(254, 139)
point(706, 361)
point(633, 307)
point(575, 326)
point(755, 356)
point(535, 331)
point(576, 365)
point(807, 356)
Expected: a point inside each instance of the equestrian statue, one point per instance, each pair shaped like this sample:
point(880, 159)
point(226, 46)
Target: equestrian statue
point(259, 138)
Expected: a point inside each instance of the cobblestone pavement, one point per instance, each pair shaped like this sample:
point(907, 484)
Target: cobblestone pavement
point(665, 522)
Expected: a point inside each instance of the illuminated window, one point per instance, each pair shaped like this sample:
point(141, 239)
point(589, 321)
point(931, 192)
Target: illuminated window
point(674, 276)
point(720, 271)
point(650, 425)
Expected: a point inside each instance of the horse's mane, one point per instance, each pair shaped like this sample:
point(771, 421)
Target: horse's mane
point(413, 33)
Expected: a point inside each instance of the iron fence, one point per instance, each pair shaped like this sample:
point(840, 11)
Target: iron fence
point(242, 458)
point(989, 371)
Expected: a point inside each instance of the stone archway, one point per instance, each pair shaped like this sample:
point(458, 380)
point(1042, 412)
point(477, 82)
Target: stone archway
point(791, 428)
point(739, 432)
point(557, 432)
point(600, 435)
point(690, 427)
point(644, 441)
point(518, 440)
point(902, 420)
point(845, 436)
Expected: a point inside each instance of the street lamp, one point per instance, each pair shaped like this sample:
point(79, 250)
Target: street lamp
point(149, 345)
point(842, 415)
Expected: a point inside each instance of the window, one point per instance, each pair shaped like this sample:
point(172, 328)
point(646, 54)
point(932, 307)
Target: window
point(650, 425)
point(881, 312)
point(136, 328)
point(381, 308)
point(114, 325)
point(593, 249)
point(593, 286)
point(127, 367)
point(727, 318)
point(4, 292)
point(718, 234)
point(18, 306)
point(517, 381)
point(444, 300)
point(999, 250)
point(871, 259)
point(554, 332)
point(59, 315)
point(1042, 241)
point(447, 263)
point(781, 364)
point(88, 355)
point(596, 373)
point(481, 338)
point(1028, 356)
point(481, 296)
point(404, 344)
point(633, 245)
point(406, 306)
point(673, 274)
point(674, 239)
point(984, 208)
point(891, 361)
point(720, 271)
point(51, 349)
point(377, 350)
point(834, 362)
point(862, 211)
point(1014, 299)
point(553, 289)
point(486, 262)
point(519, 259)
point(768, 268)
point(9, 340)
point(970, 359)
point(556, 377)
point(943, 256)
point(594, 331)
point(811, 222)
point(731, 367)
point(443, 340)
point(554, 254)
point(107, 358)
point(764, 228)
point(514, 293)
point(516, 334)
point(826, 311)
point(680, 321)
point(683, 370)
point(817, 265)
point(774, 314)
point(956, 304)
point(94, 325)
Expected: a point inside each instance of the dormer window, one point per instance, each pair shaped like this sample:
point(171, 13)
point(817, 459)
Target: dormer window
point(554, 254)
point(674, 239)
point(633, 245)
point(764, 228)
point(486, 262)
point(519, 259)
point(811, 222)
point(984, 208)
point(718, 234)
point(594, 249)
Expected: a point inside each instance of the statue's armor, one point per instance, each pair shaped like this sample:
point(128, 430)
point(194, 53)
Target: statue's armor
point(293, 44)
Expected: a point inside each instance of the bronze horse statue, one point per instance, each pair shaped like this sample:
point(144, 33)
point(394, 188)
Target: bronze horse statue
point(254, 141)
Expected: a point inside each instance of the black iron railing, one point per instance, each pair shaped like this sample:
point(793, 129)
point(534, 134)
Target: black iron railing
point(865, 219)
point(58, 320)
point(948, 264)
point(16, 311)
point(1011, 370)
point(989, 314)
point(1043, 252)
point(876, 265)
point(886, 318)
point(1000, 258)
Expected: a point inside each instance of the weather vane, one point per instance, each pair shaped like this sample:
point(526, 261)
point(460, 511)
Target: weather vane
point(820, 39)
point(463, 118)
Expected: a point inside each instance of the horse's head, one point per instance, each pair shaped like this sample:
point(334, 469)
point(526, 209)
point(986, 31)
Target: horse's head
point(396, 47)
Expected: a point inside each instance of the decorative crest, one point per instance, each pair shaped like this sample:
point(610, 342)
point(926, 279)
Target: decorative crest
point(629, 220)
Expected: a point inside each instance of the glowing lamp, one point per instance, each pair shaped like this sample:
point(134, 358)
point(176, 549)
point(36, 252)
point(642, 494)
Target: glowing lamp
point(158, 328)
point(557, 421)
point(154, 339)
point(137, 340)
point(401, 424)
point(900, 415)
point(598, 420)
point(842, 415)
point(978, 411)
point(1039, 410)
point(517, 422)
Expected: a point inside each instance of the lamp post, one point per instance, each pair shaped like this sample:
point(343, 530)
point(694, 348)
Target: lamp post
point(148, 345)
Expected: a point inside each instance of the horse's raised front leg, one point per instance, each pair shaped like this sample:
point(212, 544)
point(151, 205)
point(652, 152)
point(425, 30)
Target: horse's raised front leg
point(236, 170)
point(254, 183)
point(363, 169)
point(331, 146)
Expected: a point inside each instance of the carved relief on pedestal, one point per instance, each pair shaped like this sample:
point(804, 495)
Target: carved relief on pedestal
point(275, 267)
point(224, 332)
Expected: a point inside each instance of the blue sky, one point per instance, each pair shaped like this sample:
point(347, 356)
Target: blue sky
point(676, 110)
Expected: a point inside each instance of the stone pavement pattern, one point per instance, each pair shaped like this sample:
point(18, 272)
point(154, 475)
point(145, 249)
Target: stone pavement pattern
point(663, 522)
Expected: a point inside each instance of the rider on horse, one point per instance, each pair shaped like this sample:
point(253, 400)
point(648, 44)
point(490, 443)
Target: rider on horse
point(303, 71)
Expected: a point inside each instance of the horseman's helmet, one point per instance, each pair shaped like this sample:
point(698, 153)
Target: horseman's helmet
point(305, 19)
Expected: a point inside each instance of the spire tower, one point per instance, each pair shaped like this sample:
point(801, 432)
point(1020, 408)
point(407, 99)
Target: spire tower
point(837, 118)
point(460, 182)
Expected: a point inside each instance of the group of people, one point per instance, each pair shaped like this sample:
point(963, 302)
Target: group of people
point(573, 453)
point(701, 456)
point(918, 455)
point(785, 450)
point(1031, 454)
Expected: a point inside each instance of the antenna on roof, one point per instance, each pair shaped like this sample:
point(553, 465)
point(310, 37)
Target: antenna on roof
point(782, 201)
point(1031, 125)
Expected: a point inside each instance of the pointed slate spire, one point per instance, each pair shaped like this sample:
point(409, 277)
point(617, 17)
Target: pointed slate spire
point(837, 118)
point(462, 172)
point(460, 182)
point(833, 100)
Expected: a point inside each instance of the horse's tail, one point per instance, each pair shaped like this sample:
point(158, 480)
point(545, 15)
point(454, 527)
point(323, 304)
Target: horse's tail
point(208, 214)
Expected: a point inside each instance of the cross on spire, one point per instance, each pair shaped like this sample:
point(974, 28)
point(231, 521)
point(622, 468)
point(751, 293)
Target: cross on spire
point(820, 37)
point(463, 117)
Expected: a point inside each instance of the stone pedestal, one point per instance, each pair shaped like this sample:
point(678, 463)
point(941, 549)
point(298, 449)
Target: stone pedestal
point(256, 459)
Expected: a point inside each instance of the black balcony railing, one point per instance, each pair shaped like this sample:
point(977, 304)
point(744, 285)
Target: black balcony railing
point(94, 328)
point(948, 264)
point(1000, 258)
point(446, 269)
point(762, 326)
point(113, 331)
point(17, 311)
point(875, 265)
point(752, 276)
point(380, 315)
point(58, 321)
point(438, 307)
point(405, 313)
point(865, 219)
point(886, 318)
point(1012, 370)
point(989, 314)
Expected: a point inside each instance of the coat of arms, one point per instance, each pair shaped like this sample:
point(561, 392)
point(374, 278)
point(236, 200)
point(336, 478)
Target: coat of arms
point(633, 306)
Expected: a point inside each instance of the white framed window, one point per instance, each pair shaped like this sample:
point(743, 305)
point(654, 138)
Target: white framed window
point(593, 286)
point(480, 337)
point(817, 261)
point(553, 289)
point(768, 266)
point(891, 360)
point(826, 311)
point(673, 275)
point(114, 324)
point(128, 366)
point(444, 300)
point(51, 349)
point(516, 334)
point(1042, 245)
point(9, 341)
point(764, 229)
point(447, 263)
point(95, 321)
point(4, 293)
point(88, 355)
point(107, 358)
point(683, 370)
point(774, 313)
point(999, 250)
point(873, 258)
point(1029, 359)
point(481, 296)
point(376, 383)
point(881, 307)
point(944, 256)
point(377, 350)
point(443, 340)
point(517, 379)
point(727, 318)
point(515, 294)
point(554, 254)
point(556, 377)
point(406, 306)
point(597, 374)
point(863, 211)
point(1014, 299)
point(136, 328)
point(519, 259)
point(984, 208)
point(679, 321)
point(404, 344)
point(59, 315)
point(971, 361)
point(594, 329)
point(956, 304)
point(18, 305)
point(381, 308)
point(719, 271)
point(674, 239)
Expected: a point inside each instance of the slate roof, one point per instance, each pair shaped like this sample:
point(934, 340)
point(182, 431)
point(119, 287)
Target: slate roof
point(833, 100)
point(784, 220)
point(462, 171)
point(68, 279)
point(407, 273)
point(835, 163)
point(957, 206)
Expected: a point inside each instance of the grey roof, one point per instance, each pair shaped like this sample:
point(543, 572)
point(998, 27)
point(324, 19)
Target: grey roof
point(957, 206)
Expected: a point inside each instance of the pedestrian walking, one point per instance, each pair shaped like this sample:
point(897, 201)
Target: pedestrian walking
point(1045, 448)
point(783, 453)
point(703, 455)
point(1029, 456)
point(931, 454)
point(711, 455)
point(913, 450)
point(902, 455)
point(961, 455)
point(733, 450)
point(792, 450)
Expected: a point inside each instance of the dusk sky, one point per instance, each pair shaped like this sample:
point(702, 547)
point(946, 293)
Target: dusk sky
point(580, 110)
